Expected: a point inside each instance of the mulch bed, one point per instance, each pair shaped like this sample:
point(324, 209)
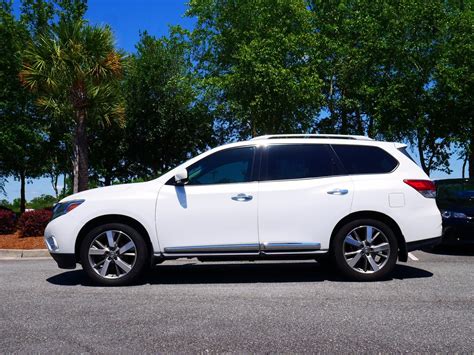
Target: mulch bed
point(14, 241)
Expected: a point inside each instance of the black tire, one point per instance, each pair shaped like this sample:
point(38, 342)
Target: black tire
point(363, 269)
point(134, 269)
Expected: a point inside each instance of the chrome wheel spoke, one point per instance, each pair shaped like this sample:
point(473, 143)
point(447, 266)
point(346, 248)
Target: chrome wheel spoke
point(381, 247)
point(126, 247)
point(123, 265)
point(352, 262)
point(351, 253)
point(99, 263)
point(110, 239)
point(103, 270)
point(369, 234)
point(95, 251)
point(352, 241)
point(373, 264)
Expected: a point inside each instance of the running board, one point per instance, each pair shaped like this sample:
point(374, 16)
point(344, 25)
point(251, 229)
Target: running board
point(269, 247)
point(246, 249)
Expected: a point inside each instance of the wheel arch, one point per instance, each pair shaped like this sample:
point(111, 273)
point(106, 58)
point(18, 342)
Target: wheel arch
point(111, 218)
point(402, 247)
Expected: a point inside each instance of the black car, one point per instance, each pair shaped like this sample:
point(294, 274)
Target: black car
point(455, 199)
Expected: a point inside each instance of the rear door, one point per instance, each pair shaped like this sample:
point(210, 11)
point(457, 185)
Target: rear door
point(303, 194)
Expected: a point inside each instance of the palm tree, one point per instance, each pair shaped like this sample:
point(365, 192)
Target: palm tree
point(75, 71)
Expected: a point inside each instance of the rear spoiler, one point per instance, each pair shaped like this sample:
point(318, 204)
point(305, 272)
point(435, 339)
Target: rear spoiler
point(400, 145)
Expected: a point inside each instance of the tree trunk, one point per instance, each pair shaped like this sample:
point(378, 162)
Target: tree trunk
point(108, 180)
point(471, 159)
point(81, 158)
point(64, 185)
point(422, 155)
point(22, 192)
point(54, 183)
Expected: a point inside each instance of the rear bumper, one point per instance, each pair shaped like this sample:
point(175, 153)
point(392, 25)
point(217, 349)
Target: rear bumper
point(458, 233)
point(65, 261)
point(424, 243)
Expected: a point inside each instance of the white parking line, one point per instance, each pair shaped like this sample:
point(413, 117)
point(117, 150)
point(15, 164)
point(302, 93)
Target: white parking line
point(412, 257)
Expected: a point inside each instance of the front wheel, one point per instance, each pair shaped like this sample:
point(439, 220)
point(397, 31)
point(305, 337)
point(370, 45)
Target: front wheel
point(114, 254)
point(365, 250)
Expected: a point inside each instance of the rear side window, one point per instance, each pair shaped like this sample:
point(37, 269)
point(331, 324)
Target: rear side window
point(299, 161)
point(360, 159)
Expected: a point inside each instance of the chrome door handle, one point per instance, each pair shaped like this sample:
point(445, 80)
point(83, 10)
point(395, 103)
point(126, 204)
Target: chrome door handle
point(242, 197)
point(338, 192)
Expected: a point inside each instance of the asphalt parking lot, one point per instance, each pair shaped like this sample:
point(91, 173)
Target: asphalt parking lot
point(186, 306)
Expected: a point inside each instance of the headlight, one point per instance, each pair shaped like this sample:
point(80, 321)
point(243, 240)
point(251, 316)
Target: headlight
point(451, 214)
point(65, 207)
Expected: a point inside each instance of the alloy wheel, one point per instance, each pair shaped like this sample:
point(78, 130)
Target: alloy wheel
point(112, 254)
point(366, 249)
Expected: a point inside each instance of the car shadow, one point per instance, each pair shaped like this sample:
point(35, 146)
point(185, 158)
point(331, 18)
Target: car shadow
point(210, 273)
point(460, 250)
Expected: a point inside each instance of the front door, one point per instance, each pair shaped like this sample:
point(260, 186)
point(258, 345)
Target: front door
point(216, 211)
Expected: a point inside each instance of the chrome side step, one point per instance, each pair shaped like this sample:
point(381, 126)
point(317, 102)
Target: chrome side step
point(244, 249)
point(269, 247)
point(226, 248)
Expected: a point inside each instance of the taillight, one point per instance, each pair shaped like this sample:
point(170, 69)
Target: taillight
point(425, 187)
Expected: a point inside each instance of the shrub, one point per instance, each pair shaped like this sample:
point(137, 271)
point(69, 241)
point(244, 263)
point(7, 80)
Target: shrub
point(7, 222)
point(33, 223)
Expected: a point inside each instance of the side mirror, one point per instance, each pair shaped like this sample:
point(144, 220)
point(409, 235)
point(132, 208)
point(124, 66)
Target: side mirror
point(181, 176)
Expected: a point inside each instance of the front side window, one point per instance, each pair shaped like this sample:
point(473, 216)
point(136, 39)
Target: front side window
point(299, 161)
point(223, 167)
point(361, 159)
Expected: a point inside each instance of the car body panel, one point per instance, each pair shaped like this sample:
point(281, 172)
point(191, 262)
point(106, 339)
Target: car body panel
point(298, 211)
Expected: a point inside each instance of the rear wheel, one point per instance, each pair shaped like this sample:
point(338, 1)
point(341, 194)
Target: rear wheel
point(365, 250)
point(114, 254)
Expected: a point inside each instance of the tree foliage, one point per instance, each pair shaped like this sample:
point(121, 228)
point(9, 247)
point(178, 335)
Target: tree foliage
point(21, 133)
point(259, 63)
point(166, 121)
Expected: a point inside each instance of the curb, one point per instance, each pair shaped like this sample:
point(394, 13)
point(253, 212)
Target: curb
point(23, 253)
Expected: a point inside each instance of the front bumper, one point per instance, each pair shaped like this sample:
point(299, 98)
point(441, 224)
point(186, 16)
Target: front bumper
point(422, 244)
point(65, 261)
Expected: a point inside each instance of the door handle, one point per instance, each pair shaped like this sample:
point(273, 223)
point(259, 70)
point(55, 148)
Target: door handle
point(242, 197)
point(338, 192)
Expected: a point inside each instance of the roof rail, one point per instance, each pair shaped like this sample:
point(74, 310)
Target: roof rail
point(312, 136)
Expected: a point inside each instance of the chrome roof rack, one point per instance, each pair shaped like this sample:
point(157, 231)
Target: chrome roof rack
point(312, 136)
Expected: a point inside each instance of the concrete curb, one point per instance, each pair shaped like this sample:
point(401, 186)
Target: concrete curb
point(23, 253)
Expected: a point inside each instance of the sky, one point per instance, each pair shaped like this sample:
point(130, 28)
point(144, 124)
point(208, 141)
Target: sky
point(127, 18)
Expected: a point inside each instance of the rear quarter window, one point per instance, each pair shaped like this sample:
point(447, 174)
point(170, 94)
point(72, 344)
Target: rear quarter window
point(360, 159)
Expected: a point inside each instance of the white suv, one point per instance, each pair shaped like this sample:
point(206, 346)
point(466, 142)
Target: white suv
point(359, 203)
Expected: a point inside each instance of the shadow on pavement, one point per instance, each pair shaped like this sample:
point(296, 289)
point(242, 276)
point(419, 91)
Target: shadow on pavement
point(461, 250)
point(238, 273)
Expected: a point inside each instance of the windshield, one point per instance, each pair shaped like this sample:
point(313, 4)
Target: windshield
point(460, 193)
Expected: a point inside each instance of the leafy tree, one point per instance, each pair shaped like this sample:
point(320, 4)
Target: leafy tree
point(43, 201)
point(73, 69)
point(166, 122)
point(454, 77)
point(21, 125)
point(259, 64)
point(384, 68)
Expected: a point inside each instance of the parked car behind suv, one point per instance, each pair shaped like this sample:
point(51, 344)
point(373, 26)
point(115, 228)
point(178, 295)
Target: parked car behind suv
point(455, 199)
point(361, 203)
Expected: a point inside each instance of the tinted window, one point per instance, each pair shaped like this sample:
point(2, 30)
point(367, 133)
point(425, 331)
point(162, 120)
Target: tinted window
point(224, 167)
point(286, 161)
point(359, 159)
point(459, 194)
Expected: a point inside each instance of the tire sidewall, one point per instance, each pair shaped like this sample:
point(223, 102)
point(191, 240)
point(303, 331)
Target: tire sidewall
point(338, 252)
point(138, 268)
